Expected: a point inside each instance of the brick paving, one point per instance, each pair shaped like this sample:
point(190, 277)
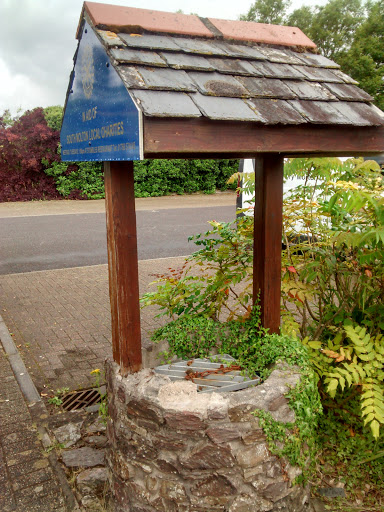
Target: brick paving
point(60, 320)
point(60, 323)
point(27, 481)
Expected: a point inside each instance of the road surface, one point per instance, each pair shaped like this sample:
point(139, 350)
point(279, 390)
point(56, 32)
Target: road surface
point(43, 242)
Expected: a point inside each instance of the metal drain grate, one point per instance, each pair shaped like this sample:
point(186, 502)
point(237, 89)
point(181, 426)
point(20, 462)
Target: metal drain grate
point(218, 382)
point(77, 400)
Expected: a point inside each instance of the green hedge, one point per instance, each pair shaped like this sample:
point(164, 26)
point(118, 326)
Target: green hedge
point(163, 177)
point(152, 177)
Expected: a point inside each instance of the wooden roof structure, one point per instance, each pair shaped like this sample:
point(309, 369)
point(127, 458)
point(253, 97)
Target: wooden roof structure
point(203, 88)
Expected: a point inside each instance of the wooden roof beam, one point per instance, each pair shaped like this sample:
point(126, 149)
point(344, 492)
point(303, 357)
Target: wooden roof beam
point(200, 138)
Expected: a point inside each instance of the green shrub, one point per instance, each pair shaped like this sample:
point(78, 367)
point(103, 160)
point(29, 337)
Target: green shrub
point(81, 180)
point(164, 177)
point(152, 177)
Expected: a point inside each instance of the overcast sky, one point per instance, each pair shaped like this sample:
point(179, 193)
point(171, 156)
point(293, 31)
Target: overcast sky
point(37, 43)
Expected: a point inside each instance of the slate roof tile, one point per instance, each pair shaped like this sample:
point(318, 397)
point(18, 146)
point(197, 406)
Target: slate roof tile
point(166, 79)
point(318, 61)
point(215, 84)
point(376, 113)
point(110, 38)
point(273, 70)
point(240, 50)
point(235, 67)
point(283, 56)
point(199, 46)
point(134, 56)
point(267, 88)
point(320, 112)
point(319, 74)
point(131, 77)
point(343, 77)
point(310, 90)
point(187, 61)
point(251, 52)
point(276, 111)
point(165, 103)
point(360, 114)
point(150, 41)
point(227, 109)
point(349, 92)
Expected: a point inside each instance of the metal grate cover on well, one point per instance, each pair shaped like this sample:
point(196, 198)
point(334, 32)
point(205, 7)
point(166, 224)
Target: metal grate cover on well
point(218, 382)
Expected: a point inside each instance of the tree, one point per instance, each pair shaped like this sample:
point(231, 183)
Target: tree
point(365, 59)
point(54, 116)
point(25, 144)
point(302, 17)
point(331, 26)
point(6, 119)
point(268, 11)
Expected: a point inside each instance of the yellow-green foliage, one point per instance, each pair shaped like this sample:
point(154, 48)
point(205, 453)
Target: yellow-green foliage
point(354, 358)
point(333, 265)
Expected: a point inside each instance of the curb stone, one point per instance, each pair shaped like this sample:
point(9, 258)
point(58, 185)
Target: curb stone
point(37, 411)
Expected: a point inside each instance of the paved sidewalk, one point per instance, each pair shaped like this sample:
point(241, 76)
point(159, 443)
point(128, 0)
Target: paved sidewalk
point(60, 320)
point(64, 207)
point(27, 482)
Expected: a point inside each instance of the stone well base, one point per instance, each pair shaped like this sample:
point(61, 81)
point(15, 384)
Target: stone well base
point(173, 449)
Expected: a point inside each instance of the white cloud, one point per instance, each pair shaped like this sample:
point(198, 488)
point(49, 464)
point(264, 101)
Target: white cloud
point(37, 43)
point(19, 91)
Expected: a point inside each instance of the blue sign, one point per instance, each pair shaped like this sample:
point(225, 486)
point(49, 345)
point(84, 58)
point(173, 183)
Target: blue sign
point(101, 121)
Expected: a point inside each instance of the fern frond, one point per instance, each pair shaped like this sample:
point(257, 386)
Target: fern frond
point(372, 406)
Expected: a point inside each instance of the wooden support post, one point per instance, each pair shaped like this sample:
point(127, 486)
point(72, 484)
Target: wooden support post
point(269, 172)
point(123, 265)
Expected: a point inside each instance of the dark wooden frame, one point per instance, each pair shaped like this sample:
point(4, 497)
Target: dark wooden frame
point(123, 265)
point(268, 225)
point(201, 138)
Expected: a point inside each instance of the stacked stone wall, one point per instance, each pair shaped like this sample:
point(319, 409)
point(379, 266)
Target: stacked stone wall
point(173, 449)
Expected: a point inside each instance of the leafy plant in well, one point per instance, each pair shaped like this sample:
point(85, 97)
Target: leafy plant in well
point(246, 341)
point(257, 352)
